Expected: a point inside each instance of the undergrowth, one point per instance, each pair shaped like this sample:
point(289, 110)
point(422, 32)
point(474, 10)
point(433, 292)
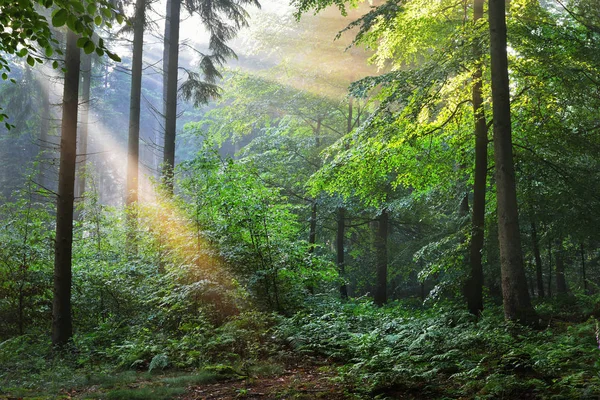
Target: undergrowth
point(443, 352)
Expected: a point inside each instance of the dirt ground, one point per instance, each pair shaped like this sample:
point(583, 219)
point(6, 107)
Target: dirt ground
point(297, 383)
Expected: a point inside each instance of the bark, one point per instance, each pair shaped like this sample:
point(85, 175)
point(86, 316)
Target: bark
point(561, 282)
point(538, 260)
point(171, 94)
point(44, 135)
point(62, 326)
point(312, 235)
point(474, 287)
point(550, 268)
point(516, 300)
point(84, 112)
point(380, 296)
point(133, 144)
point(133, 148)
point(583, 277)
point(349, 121)
point(341, 225)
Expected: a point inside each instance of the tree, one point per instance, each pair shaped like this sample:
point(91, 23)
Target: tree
point(62, 325)
point(200, 91)
point(133, 147)
point(86, 83)
point(474, 284)
point(517, 304)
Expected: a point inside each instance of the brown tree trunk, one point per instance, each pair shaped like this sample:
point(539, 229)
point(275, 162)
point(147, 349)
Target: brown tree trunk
point(133, 145)
point(84, 112)
point(474, 286)
point(538, 260)
point(312, 235)
point(561, 282)
point(171, 94)
point(550, 268)
point(341, 225)
point(582, 253)
point(517, 304)
point(380, 295)
point(44, 135)
point(62, 325)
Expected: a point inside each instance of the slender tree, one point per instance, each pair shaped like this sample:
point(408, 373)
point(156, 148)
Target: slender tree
point(62, 326)
point(133, 147)
point(212, 14)
point(339, 246)
point(517, 304)
point(538, 260)
point(170, 101)
point(474, 286)
point(84, 112)
point(380, 295)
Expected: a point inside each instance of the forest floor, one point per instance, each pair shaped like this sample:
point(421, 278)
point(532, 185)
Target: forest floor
point(298, 382)
point(308, 382)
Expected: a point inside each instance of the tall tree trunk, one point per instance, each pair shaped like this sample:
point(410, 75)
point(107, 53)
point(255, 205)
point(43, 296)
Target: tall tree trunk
point(133, 145)
point(339, 240)
point(84, 112)
point(550, 268)
point(380, 296)
point(171, 93)
point(312, 234)
point(474, 287)
point(582, 253)
point(561, 282)
point(44, 135)
point(62, 325)
point(538, 260)
point(517, 304)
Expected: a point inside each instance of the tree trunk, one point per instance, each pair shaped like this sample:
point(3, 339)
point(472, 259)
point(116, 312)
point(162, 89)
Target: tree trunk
point(133, 148)
point(517, 304)
point(561, 282)
point(84, 112)
point(312, 235)
point(62, 325)
point(474, 287)
point(380, 296)
point(44, 135)
point(171, 94)
point(341, 225)
point(538, 260)
point(582, 252)
point(550, 268)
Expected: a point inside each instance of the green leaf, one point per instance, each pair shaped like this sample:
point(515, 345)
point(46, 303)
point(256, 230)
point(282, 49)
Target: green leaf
point(81, 42)
point(4, 76)
point(120, 18)
point(77, 6)
point(91, 9)
point(22, 53)
point(98, 20)
point(30, 61)
point(60, 18)
point(49, 51)
point(55, 64)
point(89, 47)
point(99, 51)
point(113, 56)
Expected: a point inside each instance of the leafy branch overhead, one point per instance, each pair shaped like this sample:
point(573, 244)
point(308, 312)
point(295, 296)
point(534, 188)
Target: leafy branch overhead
point(25, 30)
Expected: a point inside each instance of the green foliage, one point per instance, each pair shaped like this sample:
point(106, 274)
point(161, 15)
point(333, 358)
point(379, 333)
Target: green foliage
point(443, 352)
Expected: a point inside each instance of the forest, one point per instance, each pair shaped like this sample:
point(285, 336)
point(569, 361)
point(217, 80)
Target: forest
point(299, 199)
